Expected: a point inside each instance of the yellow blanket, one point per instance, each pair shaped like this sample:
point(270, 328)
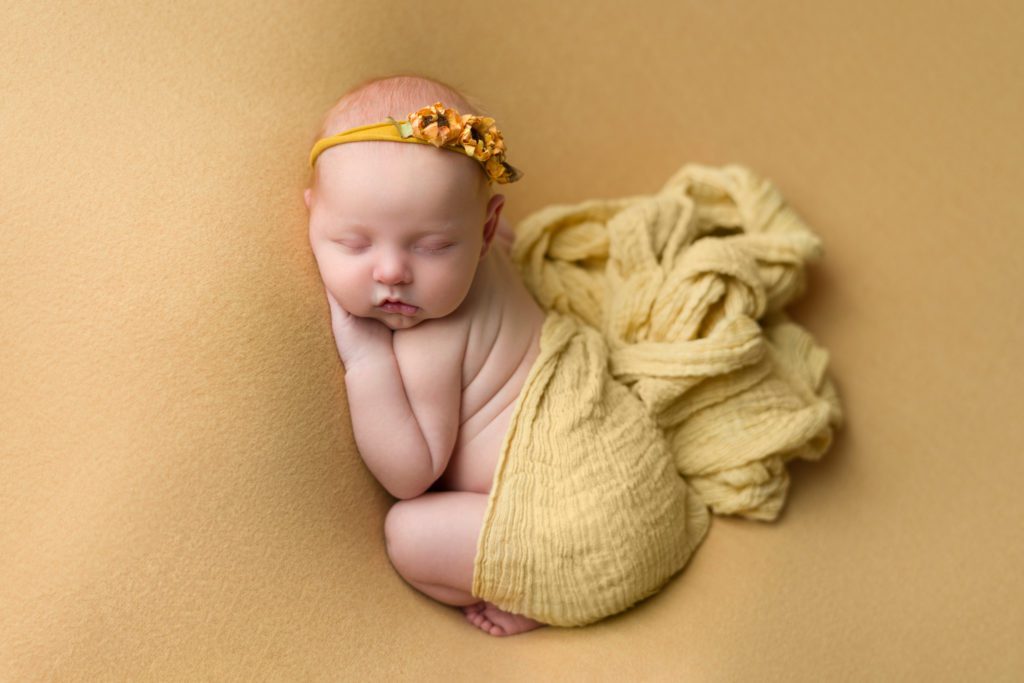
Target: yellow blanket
point(669, 382)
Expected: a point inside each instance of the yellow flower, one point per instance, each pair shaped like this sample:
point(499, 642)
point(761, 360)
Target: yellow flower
point(480, 138)
point(436, 124)
point(475, 136)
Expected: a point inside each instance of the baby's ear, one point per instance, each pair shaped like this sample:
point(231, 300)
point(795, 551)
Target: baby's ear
point(494, 207)
point(307, 194)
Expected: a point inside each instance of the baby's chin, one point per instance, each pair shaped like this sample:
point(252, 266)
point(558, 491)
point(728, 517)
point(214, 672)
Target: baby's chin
point(397, 321)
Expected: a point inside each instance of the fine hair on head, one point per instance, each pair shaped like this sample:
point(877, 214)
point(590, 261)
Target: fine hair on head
point(374, 99)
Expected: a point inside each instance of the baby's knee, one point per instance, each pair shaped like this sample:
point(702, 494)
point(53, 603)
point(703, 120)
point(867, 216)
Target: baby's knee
point(392, 527)
point(419, 531)
point(400, 535)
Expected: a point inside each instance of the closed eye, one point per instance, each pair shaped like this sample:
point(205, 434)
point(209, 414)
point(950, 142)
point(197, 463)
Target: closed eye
point(431, 249)
point(436, 248)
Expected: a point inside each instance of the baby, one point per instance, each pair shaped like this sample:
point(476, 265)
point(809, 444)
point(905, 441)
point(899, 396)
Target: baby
point(435, 328)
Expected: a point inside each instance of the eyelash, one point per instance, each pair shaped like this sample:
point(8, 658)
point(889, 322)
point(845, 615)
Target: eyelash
point(431, 251)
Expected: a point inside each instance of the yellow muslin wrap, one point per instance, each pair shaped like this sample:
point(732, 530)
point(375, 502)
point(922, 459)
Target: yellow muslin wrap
point(670, 384)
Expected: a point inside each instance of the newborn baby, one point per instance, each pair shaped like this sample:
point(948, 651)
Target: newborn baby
point(435, 328)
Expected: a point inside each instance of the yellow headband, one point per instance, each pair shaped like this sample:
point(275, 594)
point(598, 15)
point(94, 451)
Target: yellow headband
point(474, 136)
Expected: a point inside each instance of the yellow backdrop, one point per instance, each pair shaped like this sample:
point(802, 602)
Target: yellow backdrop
point(180, 496)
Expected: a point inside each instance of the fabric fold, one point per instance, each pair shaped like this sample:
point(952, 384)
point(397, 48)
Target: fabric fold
point(670, 383)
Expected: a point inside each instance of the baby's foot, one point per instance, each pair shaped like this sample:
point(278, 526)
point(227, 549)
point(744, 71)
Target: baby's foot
point(497, 622)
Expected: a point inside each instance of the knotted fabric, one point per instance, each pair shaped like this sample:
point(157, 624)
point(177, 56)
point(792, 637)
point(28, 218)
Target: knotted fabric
point(670, 382)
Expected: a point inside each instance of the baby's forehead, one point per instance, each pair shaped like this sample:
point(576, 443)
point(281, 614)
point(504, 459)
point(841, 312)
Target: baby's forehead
point(375, 173)
point(394, 199)
point(401, 215)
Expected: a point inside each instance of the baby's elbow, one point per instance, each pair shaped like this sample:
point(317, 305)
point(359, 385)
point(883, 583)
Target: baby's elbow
point(405, 490)
point(408, 495)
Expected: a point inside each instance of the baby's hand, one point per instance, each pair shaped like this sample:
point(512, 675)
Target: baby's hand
point(356, 337)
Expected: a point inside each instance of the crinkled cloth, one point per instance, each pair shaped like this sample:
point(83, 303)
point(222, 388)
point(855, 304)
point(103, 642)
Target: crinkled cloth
point(669, 385)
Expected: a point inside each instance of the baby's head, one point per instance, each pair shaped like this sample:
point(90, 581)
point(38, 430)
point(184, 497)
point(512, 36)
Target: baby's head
point(394, 220)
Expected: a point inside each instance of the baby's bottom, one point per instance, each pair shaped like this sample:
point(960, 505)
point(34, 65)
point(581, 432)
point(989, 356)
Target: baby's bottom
point(431, 541)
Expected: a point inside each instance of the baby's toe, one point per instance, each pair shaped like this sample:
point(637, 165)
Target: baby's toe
point(475, 618)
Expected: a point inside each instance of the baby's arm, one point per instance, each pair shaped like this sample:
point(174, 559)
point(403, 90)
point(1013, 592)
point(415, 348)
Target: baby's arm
point(388, 437)
point(387, 434)
point(430, 357)
point(405, 400)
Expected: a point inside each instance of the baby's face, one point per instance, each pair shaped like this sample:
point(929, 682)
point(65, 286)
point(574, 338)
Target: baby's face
point(406, 222)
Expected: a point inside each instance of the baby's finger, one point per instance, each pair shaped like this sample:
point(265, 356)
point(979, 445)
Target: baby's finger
point(331, 301)
point(339, 316)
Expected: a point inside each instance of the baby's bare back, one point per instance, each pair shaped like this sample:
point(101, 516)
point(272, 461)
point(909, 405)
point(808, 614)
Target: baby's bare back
point(503, 340)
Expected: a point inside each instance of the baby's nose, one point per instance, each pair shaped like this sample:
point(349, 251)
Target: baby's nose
point(391, 270)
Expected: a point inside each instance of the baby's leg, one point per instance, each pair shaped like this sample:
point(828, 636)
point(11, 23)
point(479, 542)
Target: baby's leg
point(431, 541)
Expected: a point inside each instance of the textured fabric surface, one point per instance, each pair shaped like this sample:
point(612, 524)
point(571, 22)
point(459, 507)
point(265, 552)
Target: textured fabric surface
point(666, 358)
point(587, 515)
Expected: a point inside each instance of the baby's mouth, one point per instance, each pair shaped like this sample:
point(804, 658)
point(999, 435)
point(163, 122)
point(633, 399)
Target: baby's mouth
point(396, 306)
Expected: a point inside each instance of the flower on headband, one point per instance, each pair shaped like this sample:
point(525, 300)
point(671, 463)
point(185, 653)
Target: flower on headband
point(476, 136)
point(436, 124)
point(480, 138)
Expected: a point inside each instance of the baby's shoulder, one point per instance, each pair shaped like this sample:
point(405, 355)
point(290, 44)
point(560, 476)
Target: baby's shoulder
point(505, 322)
